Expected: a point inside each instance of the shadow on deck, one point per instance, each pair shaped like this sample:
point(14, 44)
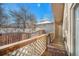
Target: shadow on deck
point(55, 49)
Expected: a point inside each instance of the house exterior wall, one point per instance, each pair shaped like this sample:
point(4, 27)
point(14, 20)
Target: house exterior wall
point(14, 30)
point(48, 27)
point(68, 28)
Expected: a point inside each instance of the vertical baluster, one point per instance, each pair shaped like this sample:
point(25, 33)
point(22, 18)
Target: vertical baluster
point(18, 37)
point(5, 36)
point(4, 39)
point(13, 38)
point(0, 40)
point(9, 38)
point(21, 36)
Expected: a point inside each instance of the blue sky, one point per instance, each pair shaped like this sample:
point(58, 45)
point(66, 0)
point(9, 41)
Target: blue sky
point(40, 10)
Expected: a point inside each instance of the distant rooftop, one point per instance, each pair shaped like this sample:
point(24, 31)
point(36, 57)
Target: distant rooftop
point(44, 22)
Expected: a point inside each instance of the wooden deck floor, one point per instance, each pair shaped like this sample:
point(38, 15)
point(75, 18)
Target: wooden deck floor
point(54, 52)
point(55, 49)
point(47, 53)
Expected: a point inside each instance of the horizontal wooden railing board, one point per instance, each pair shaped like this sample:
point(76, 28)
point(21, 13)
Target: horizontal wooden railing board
point(14, 46)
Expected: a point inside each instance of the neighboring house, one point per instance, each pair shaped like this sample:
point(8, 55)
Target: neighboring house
point(46, 25)
point(13, 28)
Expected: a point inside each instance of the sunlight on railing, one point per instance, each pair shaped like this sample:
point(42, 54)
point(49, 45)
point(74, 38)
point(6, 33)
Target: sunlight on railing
point(35, 46)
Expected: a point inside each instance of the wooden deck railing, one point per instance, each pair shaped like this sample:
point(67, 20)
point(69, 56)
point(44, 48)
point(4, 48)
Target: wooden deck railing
point(9, 38)
point(33, 46)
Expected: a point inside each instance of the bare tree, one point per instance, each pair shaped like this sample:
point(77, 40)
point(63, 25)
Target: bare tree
point(23, 17)
point(17, 18)
point(28, 19)
point(3, 16)
point(32, 20)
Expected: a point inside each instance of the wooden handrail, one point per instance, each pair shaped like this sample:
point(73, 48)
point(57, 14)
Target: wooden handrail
point(11, 47)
